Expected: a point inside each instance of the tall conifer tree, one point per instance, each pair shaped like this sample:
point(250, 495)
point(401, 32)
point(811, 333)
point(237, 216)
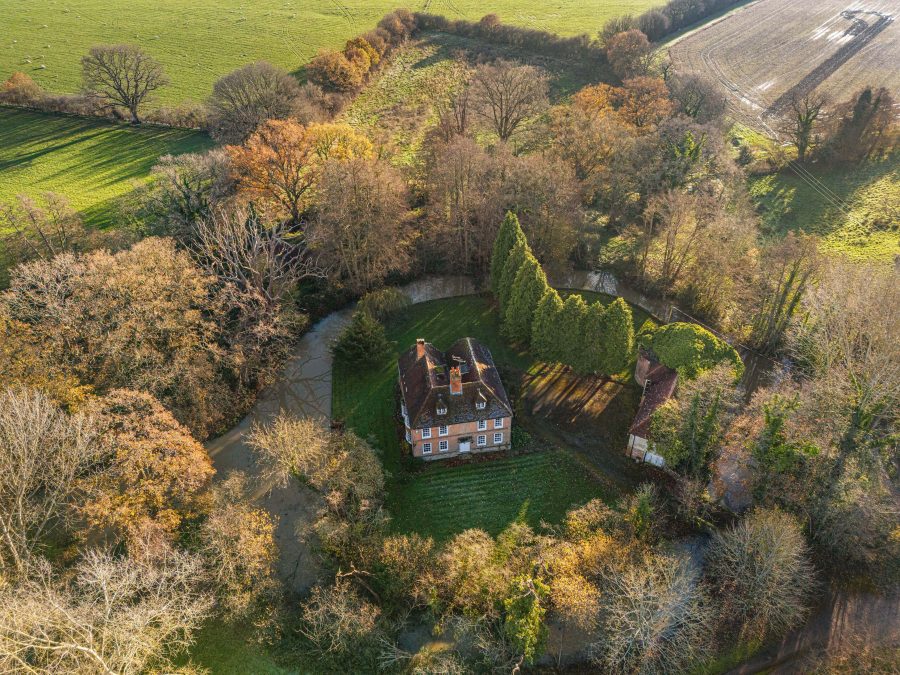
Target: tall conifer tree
point(544, 338)
point(618, 338)
point(528, 288)
point(510, 270)
point(569, 331)
point(509, 234)
point(593, 335)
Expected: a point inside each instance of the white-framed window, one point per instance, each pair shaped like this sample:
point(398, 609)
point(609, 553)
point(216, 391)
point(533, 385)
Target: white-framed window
point(426, 433)
point(482, 441)
point(443, 430)
point(498, 423)
point(408, 436)
point(441, 410)
point(442, 446)
point(498, 439)
point(482, 425)
point(480, 404)
point(426, 448)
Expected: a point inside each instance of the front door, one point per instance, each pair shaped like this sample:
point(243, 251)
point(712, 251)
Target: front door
point(465, 444)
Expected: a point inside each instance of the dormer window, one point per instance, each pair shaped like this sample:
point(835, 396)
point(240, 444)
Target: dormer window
point(441, 411)
point(481, 400)
point(440, 406)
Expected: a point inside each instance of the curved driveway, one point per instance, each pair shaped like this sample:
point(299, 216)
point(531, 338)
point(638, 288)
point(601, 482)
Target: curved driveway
point(303, 388)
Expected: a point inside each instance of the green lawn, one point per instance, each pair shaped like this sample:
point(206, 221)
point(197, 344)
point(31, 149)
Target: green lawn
point(856, 210)
point(91, 162)
point(441, 500)
point(199, 41)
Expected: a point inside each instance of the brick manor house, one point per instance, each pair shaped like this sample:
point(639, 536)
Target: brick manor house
point(453, 402)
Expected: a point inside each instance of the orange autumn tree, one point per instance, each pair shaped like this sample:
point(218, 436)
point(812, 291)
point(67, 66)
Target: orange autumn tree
point(281, 162)
point(153, 474)
point(640, 103)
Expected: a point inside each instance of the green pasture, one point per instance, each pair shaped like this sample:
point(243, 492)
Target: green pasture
point(199, 41)
point(91, 162)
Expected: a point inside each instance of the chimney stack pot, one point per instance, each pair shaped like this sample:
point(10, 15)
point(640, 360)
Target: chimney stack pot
point(455, 381)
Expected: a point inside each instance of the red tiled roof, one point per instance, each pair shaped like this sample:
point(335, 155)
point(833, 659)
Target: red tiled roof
point(661, 383)
point(424, 381)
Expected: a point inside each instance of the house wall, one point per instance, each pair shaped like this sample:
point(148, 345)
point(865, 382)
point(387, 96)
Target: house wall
point(454, 433)
point(638, 449)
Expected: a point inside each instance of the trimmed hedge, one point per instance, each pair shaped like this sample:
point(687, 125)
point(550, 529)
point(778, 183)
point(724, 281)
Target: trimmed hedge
point(690, 349)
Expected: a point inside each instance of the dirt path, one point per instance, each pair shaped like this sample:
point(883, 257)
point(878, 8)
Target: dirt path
point(304, 389)
point(848, 618)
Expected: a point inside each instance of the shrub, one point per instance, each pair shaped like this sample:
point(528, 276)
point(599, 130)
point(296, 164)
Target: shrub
point(20, 89)
point(690, 349)
point(384, 303)
point(333, 70)
point(185, 116)
point(363, 342)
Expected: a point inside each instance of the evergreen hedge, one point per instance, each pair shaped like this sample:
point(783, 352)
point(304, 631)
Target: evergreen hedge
point(690, 349)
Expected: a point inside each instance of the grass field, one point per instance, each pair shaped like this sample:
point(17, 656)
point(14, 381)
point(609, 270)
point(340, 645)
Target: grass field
point(441, 500)
point(856, 210)
point(201, 40)
point(89, 161)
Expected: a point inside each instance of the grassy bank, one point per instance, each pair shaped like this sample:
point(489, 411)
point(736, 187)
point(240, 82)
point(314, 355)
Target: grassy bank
point(855, 209)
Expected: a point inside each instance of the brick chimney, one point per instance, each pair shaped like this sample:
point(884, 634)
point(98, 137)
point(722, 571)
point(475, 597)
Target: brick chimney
point(420, 348)
point(455, 381)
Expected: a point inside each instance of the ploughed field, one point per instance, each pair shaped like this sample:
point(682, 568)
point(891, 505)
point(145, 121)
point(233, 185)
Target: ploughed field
point(772, 49)
point(201, 40)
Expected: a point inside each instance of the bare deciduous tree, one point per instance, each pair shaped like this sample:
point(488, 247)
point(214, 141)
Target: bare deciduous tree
point(506, 95)
point(183, 190)
point(112, 615)
point(674, 223)
point(697, 97)
point(32, 231)
point(247, 97)
point(122, 75)
point(788, 268)
point(43, 451)
point(848, 340)
point(336, 620)
point(238, 547)
point(454, 115)
point(361, 226)
point(257, 257)
point(288, 447)
point(803, 115)
point(655, 617)
point(763, 574)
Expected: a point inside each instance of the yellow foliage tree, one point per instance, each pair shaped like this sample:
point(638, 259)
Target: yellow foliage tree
point(152, 476)
point(281, 162)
